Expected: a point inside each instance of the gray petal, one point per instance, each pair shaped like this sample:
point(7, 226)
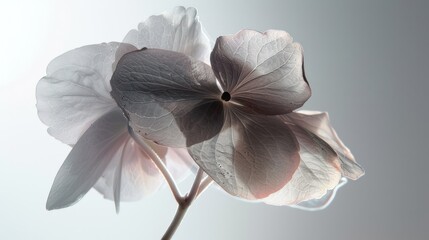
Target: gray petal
point(262, 71)
point(168, 97)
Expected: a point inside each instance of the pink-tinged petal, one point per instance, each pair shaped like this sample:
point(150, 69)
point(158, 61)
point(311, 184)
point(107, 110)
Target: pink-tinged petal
point(318, 172)
point(139, 176)
point(76, 90)
point(252, 157)
point(168, 97)
point(262, 71)
point(318, 123)
point(99, 145)
point(323, 202)
point(135, 176)
point(177, 30)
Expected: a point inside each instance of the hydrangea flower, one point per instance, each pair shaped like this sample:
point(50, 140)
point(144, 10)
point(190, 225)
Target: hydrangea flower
point(237, 117)
point(153, 106)
point(74, 100)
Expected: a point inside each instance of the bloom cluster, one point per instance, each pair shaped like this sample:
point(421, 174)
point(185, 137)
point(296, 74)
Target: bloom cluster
point(163, 102)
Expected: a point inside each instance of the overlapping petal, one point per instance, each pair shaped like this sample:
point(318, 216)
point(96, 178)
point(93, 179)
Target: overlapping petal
point(251, 157)
point(75, 91)
point(318, 123)
point(168, 97)
point(318, 172)
point(99, 145)
point(177, 30)
point(134, 175)
point(262, 71)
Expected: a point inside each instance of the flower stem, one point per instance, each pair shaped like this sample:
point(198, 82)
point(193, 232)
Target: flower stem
point(184, 202)
point(180, 213)
point(184, 205)
point(159, 163)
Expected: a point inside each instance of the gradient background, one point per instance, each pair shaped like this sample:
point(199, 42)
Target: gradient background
point(367, 63)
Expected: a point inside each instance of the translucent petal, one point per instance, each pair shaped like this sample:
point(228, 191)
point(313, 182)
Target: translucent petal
point(323, 202)
point(318, 172)
point(262, 71)
point(76, 90)
point(98, 146)
point(168, 97)
point(139, 176)
point(251, 157)
point(318, 123)
point(176, 30)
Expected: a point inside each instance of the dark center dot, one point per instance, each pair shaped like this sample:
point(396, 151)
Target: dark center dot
point(226, 96)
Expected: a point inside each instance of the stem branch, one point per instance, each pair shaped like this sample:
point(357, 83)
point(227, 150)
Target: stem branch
point(184, 205)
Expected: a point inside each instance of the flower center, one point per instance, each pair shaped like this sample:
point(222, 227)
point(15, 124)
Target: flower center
point(226, 96)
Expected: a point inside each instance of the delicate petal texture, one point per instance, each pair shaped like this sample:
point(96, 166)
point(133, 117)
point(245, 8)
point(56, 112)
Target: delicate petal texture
point(251, 157)
point(168, 97)
point(139, 175)
point(318, 123)
point(98, 146)
point(262, 71)
point(75, 91)
point(317, 173)
point(323, 202)
point(177, 30)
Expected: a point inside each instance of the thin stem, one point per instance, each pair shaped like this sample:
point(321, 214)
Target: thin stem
point(195, 186)
point(184, 205)
point(180, 213)
point(205, 183)
point(159, 163)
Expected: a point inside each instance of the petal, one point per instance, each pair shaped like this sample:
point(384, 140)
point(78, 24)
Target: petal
point(252, 157)
point(76, 90)
point(139, 176)
point(261, 70)
point(323, 202)
point(318, 172)
point(176, 30)
point(318, 123)
point(102, 142)
point(135, 176)
point(168, 97)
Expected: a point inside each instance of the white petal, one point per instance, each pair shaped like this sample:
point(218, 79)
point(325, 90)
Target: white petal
point(318, 172)
point(251, 157)
point(76, 90)
point(139, 175)
point(177, 30)
point(262, 71)
point(323, 202)
point(318, 123)
point(134, 175)
point(168, 97)
point(102, 142)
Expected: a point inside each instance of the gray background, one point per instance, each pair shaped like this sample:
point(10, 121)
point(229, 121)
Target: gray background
point(367, 63)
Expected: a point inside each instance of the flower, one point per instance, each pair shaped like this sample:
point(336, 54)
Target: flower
point(237, 118)
point(74, 100)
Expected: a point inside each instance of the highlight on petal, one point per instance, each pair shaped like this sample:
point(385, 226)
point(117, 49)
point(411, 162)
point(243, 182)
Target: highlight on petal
point(251, 157)
point(264, 72)
point(168, 97)
point(318, 123)
point(323, 202)
point(99, 145)
point(317, 174)
point(177, 30)
point(76, 89)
